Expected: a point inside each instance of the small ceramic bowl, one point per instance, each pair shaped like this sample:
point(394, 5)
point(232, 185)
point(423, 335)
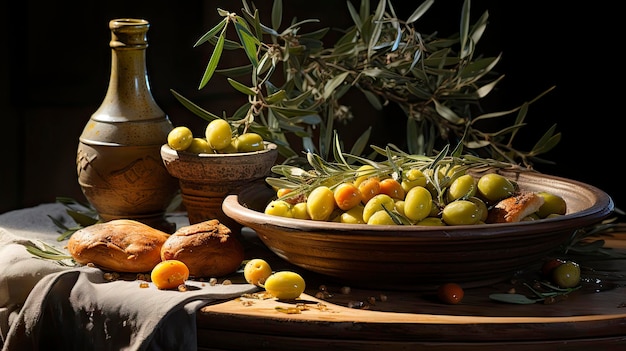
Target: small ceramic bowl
point(206, 179)
point(421, 257)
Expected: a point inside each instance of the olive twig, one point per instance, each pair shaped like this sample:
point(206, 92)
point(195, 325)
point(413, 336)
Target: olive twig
point(521, 299)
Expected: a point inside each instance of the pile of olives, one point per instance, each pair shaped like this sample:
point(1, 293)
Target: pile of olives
point(219, 139)
point(283, 285)
point(411, 201)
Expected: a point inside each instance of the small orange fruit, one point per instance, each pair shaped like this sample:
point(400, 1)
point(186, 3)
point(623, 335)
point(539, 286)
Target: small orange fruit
point(450, 293)
point(169, 274)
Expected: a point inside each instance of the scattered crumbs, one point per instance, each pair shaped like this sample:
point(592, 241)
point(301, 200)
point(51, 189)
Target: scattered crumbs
point(261, 295)
point(109, 276)
point(288, 310)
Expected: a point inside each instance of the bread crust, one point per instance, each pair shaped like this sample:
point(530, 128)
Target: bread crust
point(515, 208)
point(207, 248)
point(119, 245)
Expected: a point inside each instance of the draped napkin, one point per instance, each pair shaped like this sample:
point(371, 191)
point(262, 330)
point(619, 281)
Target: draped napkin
point(45, 305)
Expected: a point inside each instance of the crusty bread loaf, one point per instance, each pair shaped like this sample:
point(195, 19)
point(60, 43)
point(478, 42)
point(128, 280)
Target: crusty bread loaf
point(207, 248)
point(515, 208)
point(119, 245)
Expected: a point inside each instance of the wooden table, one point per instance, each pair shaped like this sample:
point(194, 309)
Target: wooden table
point(593, 317)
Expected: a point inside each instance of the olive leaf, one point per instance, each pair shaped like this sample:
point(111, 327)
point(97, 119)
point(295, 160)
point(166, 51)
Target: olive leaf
point(45, 251)
point(513, 298)
point(438, 82)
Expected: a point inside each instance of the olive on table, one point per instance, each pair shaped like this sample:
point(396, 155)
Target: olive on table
point(566, 275)
point(256, 271)
point(549, 265)
point(285, 285)
point(450, 293)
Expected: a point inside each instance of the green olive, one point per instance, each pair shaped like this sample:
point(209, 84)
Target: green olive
point(399, 207)
point(320, 203)
point(256, 271)
point(418, 203)
point(230, 149)
point(463, 186)
point(553, 204)
point(285, 285)
point(482, 207)
point(461, 212)
point(353, 215)
point(378, 203)
point(381, 217)
point(280, 208)
point(431, 221)
point(218, 134)
point(299, 211)
point(412, 178)
point(200, 146)
point(249, 142)
point(493, 187)
point(179, 138)
point(566, 275)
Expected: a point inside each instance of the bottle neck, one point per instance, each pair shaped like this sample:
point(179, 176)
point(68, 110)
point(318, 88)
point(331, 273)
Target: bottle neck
point(129, 97)
point(129, 76)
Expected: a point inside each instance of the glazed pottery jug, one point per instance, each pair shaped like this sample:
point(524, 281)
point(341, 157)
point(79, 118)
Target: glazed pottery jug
point(119, 166)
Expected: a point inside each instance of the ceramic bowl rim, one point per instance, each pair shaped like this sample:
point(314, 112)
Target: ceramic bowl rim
point(601, 208)
point(269, 147)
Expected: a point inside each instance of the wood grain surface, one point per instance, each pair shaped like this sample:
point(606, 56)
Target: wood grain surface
point(370, 319)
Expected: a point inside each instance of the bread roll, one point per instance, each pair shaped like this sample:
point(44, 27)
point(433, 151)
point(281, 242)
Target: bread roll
point(207, 248)
point(119, 245)
point(515, 208)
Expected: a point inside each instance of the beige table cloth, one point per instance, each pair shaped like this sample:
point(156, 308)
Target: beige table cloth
point(48, 306)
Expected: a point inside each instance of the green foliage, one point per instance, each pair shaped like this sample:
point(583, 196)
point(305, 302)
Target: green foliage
point(296, 84)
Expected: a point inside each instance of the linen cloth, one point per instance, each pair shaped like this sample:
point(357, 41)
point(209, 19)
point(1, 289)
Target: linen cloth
point(48, 306)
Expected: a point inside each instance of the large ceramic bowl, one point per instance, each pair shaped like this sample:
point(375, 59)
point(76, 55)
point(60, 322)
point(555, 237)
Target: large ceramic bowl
point(206, 179)
point(409, 257)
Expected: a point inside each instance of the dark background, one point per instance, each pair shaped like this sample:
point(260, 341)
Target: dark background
point(56, 62)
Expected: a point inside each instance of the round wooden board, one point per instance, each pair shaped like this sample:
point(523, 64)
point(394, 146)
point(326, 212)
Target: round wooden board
point(370, 319)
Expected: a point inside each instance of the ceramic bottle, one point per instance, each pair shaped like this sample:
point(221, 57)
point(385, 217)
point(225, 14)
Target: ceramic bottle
point(119, 167)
